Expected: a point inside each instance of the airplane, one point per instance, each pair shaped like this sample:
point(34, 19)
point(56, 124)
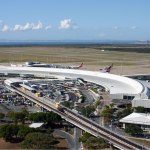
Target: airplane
point(107, 69)
point(76, 67)
point(66, 67)
point(39, 64)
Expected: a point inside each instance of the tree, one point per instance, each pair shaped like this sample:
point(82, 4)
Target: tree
point(49, 131)
point(98, 102)
point(2, 115)
point(66, 104)
point(39, 141)
point(52, 117)
point(124, 113)
point(14, 130)
point(133, 129)
point(23, 131)
point(96, 143)
point(107, 112)
point(4, 131)
point(17, 116)
point(8, 131)
point(140, 109)
point(86, 111)
point(37, 117)
point(84, 137)
point(92, 142)
point(48, 117)
point(12, 116)
point(20, 116)
point(25, 111)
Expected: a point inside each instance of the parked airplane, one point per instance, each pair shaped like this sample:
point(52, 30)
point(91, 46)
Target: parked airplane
point(76, 67)
point(39, 64)
point(107, 69)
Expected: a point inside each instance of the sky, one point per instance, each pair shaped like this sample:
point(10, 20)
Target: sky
point(74, 20)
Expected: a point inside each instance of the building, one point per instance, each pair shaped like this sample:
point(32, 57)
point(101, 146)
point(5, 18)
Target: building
point(119, 87)
point(142, 119)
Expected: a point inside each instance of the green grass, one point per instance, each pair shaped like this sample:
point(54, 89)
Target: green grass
point(73, 55)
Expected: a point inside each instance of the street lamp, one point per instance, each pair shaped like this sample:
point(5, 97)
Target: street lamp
point(110, 132)
point(111, 124)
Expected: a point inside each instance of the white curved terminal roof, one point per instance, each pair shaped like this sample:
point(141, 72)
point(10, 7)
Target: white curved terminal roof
point(115, 83)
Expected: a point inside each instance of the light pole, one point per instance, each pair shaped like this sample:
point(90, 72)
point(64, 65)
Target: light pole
point(111, 124)
point(110, 133)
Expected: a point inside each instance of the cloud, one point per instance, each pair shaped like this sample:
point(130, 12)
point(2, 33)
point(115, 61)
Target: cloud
point(18, 27)
point(133, 27)
point(28, 26)
point(66, 24)
point(48, 27)
point(37, 26)
point(5, 28)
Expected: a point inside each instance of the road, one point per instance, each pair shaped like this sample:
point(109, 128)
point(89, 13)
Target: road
point(88, 95)
point(72, 140)
point(68, 137)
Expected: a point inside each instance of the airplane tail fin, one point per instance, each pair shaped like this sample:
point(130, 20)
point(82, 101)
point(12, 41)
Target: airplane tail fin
point(81, 65)
point(107, 69)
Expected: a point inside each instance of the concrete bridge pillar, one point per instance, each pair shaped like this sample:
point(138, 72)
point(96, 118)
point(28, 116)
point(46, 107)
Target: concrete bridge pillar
point(77, 134)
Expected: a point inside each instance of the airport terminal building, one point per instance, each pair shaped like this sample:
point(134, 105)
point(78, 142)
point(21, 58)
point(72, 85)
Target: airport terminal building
point(119, 87)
